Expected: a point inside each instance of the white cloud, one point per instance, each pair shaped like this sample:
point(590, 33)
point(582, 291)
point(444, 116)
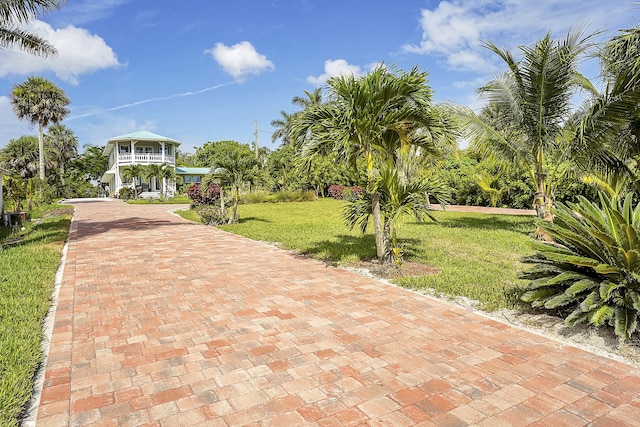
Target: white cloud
point(455, 29)
point(340, 67)
point(240, 60)
point(79, 52)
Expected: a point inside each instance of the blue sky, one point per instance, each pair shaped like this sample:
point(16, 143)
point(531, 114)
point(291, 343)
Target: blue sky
point(207, 70)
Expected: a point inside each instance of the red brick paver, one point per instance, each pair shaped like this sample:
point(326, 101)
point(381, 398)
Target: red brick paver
point(162, 322)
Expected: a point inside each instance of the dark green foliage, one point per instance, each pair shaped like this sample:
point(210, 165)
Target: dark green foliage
point(592, 272)
point(212, 215)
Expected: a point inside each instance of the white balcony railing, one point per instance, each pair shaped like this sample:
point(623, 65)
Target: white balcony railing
point(146, 158)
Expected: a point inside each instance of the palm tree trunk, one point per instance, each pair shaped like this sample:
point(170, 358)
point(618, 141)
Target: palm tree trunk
point(62, 173)
point(377, 227)
point(541, 203)
point(41, 149)
point(222, 200)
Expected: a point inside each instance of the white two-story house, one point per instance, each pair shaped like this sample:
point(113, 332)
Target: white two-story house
point(140, 148)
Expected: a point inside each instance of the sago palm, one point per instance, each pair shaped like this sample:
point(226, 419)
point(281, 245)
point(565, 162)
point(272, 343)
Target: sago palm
point(592, 272)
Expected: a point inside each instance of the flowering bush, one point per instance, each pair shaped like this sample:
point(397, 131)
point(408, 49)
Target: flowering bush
point(199, 198)
point(335, 191)
point(340, 192)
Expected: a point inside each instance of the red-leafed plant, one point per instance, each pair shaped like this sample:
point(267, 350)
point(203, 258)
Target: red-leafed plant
point(199, 197)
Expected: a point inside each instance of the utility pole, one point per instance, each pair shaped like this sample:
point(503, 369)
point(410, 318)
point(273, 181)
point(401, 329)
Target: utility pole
point(255, 123)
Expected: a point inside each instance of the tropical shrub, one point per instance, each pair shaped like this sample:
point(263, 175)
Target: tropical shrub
point(125, 193)
point(203, 198)
point(212, 215)
point(352, 193)
point(278, 197)
point(398, 199)
point(592, 271)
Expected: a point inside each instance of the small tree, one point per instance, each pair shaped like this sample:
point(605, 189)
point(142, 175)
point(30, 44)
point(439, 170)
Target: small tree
point(234, 171)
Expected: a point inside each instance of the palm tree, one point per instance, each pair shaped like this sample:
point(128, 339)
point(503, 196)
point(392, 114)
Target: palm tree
point(398, 199)
point(130, 174)
point(63, 144)
point(14, 14)
point(167, 173)
point(488, 184)
point(609, 132)
point(20, 156)
point(233, 171)
point(374, 118)
point(282, 126)
point(39, 101)
point(531, 102)
point(309, 100)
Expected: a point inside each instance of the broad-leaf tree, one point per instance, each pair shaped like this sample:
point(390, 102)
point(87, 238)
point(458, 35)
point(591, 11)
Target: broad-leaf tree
point(373, 119)
point(531, 102)
point(40, 102)
point(14, 14)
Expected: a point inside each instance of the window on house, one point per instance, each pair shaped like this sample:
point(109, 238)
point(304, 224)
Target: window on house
point(125, 149)
point(192, 179)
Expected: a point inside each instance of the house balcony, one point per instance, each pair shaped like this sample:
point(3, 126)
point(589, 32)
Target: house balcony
point(144, 159)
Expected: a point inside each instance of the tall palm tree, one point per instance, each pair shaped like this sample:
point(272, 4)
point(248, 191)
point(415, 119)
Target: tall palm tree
point(39, 101)
point(609, 133)
point(375, 117)
point(282, 126)
point(233, 171)
point(309, 100)
point(532, 101)
point(15, 13)
point(63, 144)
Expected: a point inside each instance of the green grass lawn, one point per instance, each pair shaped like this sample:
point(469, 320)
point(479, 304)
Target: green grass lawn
point(477, 255)
point(26, 281)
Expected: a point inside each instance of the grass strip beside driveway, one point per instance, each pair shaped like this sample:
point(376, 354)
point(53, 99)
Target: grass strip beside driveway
point(27, 278)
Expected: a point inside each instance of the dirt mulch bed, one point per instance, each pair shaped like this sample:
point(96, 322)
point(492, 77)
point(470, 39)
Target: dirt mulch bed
point(394, 271)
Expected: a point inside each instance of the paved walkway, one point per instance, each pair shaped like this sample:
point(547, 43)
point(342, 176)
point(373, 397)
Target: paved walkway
point(162, 322)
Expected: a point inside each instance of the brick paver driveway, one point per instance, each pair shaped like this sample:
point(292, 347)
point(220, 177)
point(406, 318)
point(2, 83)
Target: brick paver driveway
point(167, 323)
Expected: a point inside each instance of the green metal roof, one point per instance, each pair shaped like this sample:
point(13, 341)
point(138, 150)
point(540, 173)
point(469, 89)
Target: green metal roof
point(143, 135)
point(183, 170)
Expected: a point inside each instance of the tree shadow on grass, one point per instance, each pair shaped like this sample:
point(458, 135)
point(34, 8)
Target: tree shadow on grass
point(488, 222)
point(362, 247)
point(253, 219)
